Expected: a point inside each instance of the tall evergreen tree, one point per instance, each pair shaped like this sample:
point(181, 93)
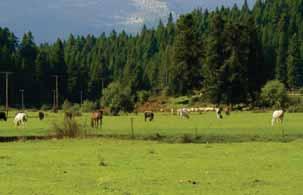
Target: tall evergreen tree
point(187, 57)
point(294, 65)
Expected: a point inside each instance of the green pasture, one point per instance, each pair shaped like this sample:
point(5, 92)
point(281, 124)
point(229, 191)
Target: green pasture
point(99, 166)
point(237, 124)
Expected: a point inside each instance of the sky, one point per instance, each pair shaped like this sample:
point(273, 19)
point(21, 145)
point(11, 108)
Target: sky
point(50, 19)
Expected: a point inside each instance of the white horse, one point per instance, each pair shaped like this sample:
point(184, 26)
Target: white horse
point(219, 113)
point(20, 119)
point(183, 113)
point(277, 115)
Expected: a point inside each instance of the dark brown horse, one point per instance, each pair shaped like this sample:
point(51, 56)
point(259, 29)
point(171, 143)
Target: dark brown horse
point(41, 115)
point(68, 115)
point(96, 119)
point(149, 115)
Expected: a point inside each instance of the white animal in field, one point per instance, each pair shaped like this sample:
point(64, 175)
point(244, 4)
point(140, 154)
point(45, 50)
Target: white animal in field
point(183, 113)
point(20, 119)
point(277, 115)
point(219, 113)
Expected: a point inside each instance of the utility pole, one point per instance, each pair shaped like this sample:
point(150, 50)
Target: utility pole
point(6, 90)
point(54, 99)
point(57, 91)
point(22, 98)
point(102, 86)
point(81, 97)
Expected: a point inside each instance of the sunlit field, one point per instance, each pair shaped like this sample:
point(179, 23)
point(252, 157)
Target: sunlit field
point(115, 166)
point(164, 124)
point(106, 166)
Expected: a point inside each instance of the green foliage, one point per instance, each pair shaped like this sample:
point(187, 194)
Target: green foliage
point(68, 129)
point(143, 96)
point(46, 107)
point(274, 93)
point(294, 65)
point(66, 106)
point(295, 104)
point(117, 98)
point(228, 53)
point(187, 56)
point(88, 106)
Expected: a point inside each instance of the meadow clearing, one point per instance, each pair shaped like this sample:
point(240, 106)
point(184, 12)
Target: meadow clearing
point(92, 166)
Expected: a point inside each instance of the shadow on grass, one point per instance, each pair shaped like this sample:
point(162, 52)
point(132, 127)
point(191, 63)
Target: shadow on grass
point(186, 138)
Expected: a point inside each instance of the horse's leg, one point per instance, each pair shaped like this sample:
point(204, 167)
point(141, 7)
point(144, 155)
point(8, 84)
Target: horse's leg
point(272, 122)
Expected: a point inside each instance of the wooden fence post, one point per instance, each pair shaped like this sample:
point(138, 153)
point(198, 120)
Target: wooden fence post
point(132, 127)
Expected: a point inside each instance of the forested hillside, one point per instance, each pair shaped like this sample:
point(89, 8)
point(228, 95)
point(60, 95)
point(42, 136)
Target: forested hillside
point(227, 55)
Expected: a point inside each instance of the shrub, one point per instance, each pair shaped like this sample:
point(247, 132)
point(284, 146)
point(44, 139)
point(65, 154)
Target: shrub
point(88, 106)
point(45, 107)
point(143, 96)
point(194, 99)
point(69, 128)
point(117, 98)
point(66, 105)
point(274, 93)
point(295, 108)
point(75, 110)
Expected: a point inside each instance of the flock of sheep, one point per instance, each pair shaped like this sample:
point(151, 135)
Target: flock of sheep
point(277, 116)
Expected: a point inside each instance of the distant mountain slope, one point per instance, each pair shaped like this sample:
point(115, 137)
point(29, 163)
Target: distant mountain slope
point(50, 19)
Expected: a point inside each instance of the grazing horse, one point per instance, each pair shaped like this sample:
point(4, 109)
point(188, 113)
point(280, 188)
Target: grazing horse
point(96, 119)
point(183, 113)
point(148, 115)
point(20, 119)
point(68, 115)
point(227, 111)
point(3, 116)
point(41, 116)
point(219, 113)
point(277, 115)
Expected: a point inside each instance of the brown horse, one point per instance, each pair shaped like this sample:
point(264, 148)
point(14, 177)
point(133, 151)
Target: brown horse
point(96, 119)
point(68, 115)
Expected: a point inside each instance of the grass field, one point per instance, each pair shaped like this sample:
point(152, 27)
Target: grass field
point(105, 166)
point(114, 166)
point(237, 124)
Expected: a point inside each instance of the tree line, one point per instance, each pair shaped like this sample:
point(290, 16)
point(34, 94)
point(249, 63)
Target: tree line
point(226, 55)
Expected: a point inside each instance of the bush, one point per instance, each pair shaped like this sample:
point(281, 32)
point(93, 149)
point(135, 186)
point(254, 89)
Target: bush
point(194, 99)
point(88, 106)
point(69, 128)
point(2, 108)
point(143, 96)
point(66, 105)
point(75, 110)
point(45, 107)
point(117, 98)
point(295, 108)
point(274, 94)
